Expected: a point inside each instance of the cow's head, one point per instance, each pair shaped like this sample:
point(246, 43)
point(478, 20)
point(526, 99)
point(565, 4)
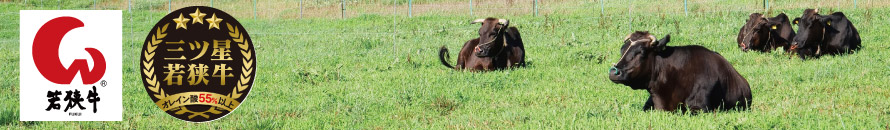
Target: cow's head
point(758, 30)
point(492, 36)
point(810, 29)
point(637, 54)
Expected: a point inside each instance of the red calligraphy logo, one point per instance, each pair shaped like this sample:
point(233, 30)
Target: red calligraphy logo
point(45, 52)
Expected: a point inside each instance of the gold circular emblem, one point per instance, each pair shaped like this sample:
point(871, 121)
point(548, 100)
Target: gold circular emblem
point(198, 64)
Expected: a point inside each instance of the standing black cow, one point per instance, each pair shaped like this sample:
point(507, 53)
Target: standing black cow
point(499, 46)
point(682, 77)
point(766, 34)
point(824, 34)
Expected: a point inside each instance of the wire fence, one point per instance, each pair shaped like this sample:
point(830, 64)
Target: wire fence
point(351, 8)
point(146, 10)
point(140, 15)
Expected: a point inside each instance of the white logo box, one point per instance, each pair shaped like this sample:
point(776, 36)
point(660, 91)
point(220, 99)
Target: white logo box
point(101, 30)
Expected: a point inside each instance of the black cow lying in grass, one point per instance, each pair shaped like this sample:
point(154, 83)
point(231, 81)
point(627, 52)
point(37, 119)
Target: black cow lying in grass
point(824, 34)
point(766, 34)
point(499, 46)
point(681, 77)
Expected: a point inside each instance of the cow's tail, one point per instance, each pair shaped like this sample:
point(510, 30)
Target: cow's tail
point(443, 57)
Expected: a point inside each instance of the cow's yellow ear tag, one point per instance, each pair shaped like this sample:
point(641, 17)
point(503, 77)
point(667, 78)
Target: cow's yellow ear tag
point(774, 27)
point(795, 21)
point(829, 23)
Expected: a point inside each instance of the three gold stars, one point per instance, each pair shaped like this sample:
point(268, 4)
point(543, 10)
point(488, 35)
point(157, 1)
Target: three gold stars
point(214, 22)
point(198, 16)
point(181, 21)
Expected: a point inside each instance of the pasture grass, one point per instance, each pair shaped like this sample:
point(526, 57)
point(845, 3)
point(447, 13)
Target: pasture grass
point(380, 71)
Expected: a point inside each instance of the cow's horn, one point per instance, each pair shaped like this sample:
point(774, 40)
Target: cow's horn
point(503, 21)
point(477, 21)
point(627, 37)
point(652, 41)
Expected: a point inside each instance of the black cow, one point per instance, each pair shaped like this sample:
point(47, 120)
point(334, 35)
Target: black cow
point(499, 46)
point(681, 77)
point(824, 34)
point(766, 34)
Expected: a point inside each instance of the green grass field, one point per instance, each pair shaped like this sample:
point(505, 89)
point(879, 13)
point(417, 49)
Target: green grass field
point(381, 71)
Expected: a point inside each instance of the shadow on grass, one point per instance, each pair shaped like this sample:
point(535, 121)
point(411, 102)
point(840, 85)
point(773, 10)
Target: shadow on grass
point(444, 106)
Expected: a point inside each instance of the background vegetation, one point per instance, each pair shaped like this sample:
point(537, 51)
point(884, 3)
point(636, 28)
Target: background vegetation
point(377, 68)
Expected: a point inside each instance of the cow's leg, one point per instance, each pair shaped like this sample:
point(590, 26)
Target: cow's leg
point(738, 98)
point(803, 53)
point(731, 101)
point(698, 98)
point(516, 58)
point(649, 104)
point(743, 103)
point(660, 102)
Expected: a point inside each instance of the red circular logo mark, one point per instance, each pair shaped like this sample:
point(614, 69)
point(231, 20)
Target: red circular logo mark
point(45, 52)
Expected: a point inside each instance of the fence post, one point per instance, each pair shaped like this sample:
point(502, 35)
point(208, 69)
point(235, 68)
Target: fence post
point(130, 13)
point(60, 4)
point(94, 4)
point(602, 8)
point(766, 4)
point(854, 4)
point(301, 9)
point(211, 3)
point(169, 6)
point(394, 28)
point(630, 15)
point(686, 7)
point(471, 7)
point(409, 8)
point(254, 9)
point(149, 10)
point(343, 9)
point(536, 7)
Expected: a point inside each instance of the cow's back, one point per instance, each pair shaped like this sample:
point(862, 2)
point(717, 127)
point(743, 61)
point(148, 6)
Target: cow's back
point(842, 35)
point(737, 90)
point(697, 66)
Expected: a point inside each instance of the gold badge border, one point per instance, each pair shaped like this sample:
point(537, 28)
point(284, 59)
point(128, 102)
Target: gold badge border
point(153, 84)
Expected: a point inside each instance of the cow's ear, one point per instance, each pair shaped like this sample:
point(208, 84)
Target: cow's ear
point(796, 21)
point(661, 43)
point(773, 25)
point(777, 21)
